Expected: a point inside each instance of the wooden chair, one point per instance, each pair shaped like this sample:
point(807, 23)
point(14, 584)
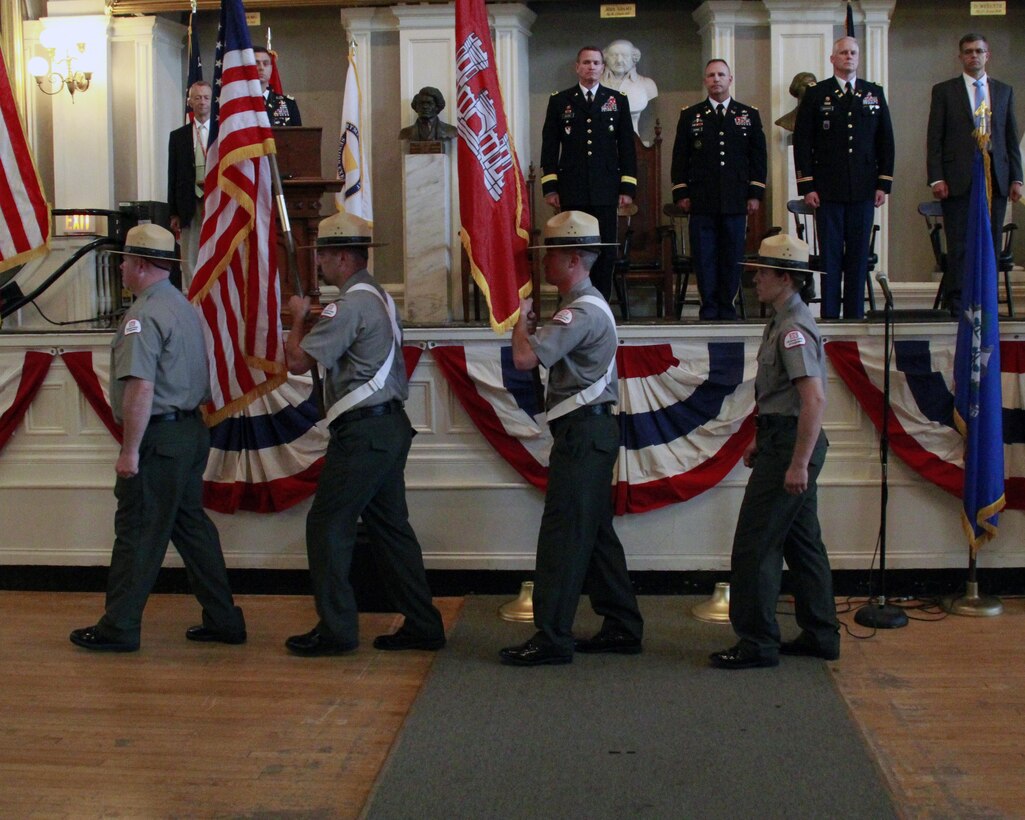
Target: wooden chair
point(932, 212)
point(641, 260)
point(676, 237)
point(804, 226)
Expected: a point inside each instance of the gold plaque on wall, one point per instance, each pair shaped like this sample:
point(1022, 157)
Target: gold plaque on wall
point(618, 10)
point(994, 8)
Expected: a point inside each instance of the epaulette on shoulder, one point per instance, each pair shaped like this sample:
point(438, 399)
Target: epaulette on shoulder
point(812, 84)
point(554, 93)
point(289, 97)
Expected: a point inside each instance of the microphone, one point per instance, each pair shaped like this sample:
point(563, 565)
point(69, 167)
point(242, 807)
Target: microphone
point(884, 283)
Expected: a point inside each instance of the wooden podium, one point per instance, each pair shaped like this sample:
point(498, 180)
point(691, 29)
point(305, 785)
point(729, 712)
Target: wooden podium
point(299, 164)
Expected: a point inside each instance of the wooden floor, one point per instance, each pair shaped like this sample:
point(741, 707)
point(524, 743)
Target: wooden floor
point(183, 729)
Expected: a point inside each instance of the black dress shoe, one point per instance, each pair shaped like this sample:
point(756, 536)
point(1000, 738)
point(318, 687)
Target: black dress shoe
point(90, 638)
point(738, 657)
point(407, 640)
point(610, 640)
point(805, 645)
point(534, 653)
point(313, 644)
point(205, 634)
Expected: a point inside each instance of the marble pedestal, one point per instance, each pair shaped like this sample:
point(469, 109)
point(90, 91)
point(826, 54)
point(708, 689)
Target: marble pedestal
point(427, 226)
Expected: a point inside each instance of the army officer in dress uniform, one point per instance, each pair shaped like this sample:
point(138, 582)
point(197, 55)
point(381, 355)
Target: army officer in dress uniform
point(843, 147)
point(281, 108)
point(588, 159)
point(718, 175)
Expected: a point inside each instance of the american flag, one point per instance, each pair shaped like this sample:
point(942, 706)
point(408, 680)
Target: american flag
point(236, 285)
point(24, 214)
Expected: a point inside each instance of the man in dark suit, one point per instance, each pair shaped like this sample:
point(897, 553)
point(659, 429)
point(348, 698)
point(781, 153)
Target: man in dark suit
point(281, 108)
point(843, 147)
point(951, 152)
point(718, 174)
point(588, 159)
point(186, 171)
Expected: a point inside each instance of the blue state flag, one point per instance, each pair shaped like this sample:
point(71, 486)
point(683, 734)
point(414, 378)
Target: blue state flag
point(977, 393)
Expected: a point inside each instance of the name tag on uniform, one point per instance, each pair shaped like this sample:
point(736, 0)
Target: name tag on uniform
point(133, 326)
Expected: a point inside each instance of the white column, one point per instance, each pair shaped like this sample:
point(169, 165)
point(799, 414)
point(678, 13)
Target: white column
point(875, 66)
point(159, 95)
point(717, 25)
point(512, 22)
point(801, 35)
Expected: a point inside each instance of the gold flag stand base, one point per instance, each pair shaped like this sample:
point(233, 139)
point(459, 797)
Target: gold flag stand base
point(973, 604)
point(521, 609)
point(716, 610)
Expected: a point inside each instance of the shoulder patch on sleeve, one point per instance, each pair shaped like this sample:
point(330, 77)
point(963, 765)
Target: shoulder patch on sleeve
point(563, 317)
point(133, 326)
point(329, 311)
point(794, 339)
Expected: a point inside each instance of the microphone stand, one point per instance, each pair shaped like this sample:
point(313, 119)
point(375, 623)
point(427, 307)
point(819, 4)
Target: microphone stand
point(877, 613)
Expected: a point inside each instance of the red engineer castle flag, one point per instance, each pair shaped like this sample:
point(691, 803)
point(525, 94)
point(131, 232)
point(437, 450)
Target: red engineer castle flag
point(492, 193)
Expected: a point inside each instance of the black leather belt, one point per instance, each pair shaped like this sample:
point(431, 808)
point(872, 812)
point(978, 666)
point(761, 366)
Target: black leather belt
point(174, 415)
point(385, 409)
point(767, 421)
point(604, 409)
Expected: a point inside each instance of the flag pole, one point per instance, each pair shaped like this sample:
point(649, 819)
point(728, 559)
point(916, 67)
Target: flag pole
point(972, 603)
point(293, 262)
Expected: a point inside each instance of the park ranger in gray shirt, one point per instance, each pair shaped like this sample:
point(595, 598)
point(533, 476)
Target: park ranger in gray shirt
point(158, 380)
point(577, 539)
point(779, 515)
point(358, 341)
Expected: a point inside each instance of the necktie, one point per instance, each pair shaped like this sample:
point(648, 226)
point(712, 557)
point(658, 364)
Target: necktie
point(720, 111)
point(980, 98)
point(590, 97)
point(847, 88)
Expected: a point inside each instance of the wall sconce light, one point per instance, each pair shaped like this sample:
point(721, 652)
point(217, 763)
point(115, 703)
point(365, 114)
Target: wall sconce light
point(72, 71)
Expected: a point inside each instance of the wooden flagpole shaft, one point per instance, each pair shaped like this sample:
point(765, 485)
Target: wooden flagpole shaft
point(293, 262)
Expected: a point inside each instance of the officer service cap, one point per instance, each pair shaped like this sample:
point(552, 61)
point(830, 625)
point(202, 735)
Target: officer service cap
point(343, 230)
point(572, 229)
point(150, 241)
point(783, 252)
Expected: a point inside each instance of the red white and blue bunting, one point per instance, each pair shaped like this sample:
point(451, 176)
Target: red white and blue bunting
point(685, 414)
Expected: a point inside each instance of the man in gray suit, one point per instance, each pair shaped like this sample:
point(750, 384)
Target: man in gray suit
point(951, 152)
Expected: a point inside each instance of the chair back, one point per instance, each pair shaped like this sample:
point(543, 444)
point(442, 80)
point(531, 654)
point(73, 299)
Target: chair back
point(804, 228)
point(932, 212)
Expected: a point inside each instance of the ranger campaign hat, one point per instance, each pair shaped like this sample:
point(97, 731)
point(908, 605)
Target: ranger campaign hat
point(343, 230)
point(572, 229)
point(783, 252)
point(150, 241)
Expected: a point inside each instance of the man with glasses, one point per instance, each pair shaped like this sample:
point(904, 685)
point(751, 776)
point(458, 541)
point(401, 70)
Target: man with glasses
point(956, 111)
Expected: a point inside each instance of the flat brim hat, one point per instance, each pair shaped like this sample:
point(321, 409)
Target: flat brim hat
point(783, 252)
point(150, 241)
point(343, 230)
point(572, 229)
